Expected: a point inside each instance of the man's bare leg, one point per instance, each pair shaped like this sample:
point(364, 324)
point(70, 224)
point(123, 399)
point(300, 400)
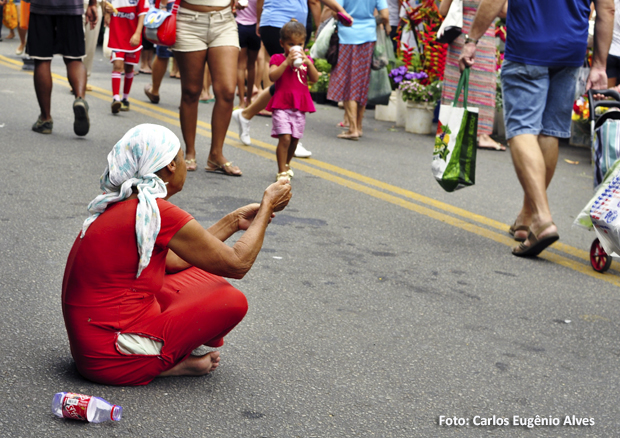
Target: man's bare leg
point(549, 147)
point(531, 165)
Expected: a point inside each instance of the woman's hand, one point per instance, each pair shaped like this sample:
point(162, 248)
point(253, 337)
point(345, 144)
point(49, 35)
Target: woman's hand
point(245, 216)
point(278, 195)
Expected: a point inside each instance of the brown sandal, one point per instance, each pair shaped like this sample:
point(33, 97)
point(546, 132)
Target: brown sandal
point(536, 245)
point(514, 228)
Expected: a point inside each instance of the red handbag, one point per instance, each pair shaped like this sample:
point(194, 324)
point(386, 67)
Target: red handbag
point(160, 27)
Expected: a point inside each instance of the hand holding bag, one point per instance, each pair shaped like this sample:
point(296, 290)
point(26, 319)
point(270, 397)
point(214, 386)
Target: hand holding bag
point(454, 155)
point(160, 27)
point(452, 25)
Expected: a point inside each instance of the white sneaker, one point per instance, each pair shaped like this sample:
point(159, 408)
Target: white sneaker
point(244, 127)
point(301, 151)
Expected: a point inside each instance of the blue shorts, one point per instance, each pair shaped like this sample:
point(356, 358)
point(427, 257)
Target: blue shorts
point(538, 99)
point(248, 37)
point(163, 52)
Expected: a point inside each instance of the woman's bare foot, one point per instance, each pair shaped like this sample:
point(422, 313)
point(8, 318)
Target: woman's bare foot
point(206, 97)
point(11, 35)
point(486, 142)
point(195, 365)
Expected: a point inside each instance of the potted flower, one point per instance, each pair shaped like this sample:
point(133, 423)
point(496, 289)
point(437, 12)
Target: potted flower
point(421, 96)
point(397, 75)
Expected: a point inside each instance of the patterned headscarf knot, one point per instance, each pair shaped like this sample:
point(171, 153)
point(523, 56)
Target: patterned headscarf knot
point(133, 161)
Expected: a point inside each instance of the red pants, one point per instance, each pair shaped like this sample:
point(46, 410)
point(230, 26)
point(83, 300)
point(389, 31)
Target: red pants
point(193, 308)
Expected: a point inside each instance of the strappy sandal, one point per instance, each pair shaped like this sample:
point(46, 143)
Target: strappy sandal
point(283, 175)
point(290, 172)
point(225, 169)
point(514, 228)
point(191, 164)
point(536, 245)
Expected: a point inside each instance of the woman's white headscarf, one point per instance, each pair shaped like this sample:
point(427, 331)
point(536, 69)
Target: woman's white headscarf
point(133, 161)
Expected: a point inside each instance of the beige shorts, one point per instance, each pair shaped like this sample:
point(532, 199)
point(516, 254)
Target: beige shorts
point(202, 30)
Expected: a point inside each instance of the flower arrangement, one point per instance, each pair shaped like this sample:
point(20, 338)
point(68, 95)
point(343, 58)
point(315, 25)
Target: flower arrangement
point(399, 74)
point(424, 20)
point(416, 87)
point(581, 110)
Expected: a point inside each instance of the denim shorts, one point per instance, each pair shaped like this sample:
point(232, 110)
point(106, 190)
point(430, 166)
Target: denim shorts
point(538, 99)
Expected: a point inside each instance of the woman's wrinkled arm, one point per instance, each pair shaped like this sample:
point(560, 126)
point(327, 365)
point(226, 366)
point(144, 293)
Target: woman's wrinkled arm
point(204, 249)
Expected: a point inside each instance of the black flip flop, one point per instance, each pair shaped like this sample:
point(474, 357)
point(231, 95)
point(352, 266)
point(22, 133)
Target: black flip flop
point(536, 245)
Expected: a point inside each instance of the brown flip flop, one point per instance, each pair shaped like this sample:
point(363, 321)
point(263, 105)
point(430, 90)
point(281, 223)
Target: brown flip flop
point(514, 228)
point(536, 245)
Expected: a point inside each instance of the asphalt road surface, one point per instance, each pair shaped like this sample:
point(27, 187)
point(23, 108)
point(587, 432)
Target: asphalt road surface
point(378, 306)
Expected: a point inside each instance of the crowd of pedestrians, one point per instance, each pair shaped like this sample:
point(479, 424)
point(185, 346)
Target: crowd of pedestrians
point(243, 48)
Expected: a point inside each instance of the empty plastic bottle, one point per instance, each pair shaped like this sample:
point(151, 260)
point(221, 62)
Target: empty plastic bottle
point(85, 408)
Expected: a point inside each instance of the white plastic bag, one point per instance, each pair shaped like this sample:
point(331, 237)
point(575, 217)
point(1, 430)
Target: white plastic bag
point(107, 52)
point(605, 215)
point(319, 49)
point(583, 219)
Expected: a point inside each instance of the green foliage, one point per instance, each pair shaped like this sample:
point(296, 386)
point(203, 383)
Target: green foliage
point(322, 84)
point(322, 66)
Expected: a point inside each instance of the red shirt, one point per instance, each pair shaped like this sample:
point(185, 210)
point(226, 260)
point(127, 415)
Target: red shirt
point(101, 294)
point(124, 23)
point(292, 88)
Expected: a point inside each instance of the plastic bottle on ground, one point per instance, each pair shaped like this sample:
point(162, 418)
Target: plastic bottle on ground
point(85, 408)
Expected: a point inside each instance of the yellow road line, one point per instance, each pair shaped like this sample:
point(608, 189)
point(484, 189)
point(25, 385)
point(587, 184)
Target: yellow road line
point(313, 167)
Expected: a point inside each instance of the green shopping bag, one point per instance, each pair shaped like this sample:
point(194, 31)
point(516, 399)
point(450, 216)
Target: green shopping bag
point(454, 155)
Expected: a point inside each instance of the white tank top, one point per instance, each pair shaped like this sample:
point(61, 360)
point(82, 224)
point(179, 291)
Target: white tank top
point(215, 3)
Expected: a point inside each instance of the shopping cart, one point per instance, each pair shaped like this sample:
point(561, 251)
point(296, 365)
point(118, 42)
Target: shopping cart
point(605, 148)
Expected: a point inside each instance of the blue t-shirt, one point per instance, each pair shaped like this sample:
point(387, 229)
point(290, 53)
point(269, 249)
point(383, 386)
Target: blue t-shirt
point(277, 13)
point(552, 33)
point(364, 29)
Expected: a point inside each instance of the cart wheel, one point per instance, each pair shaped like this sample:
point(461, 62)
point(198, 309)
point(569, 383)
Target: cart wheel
point(598, 257)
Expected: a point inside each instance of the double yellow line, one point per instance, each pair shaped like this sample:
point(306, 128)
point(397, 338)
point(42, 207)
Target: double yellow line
point(562, 254)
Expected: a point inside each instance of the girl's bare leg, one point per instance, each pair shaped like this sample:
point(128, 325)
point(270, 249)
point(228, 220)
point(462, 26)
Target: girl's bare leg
point(282, 151)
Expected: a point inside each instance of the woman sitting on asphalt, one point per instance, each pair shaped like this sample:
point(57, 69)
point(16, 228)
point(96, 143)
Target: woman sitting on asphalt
point(142, 286)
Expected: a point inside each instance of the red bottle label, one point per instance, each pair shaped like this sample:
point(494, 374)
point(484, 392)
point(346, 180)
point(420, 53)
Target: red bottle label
point(75, 405)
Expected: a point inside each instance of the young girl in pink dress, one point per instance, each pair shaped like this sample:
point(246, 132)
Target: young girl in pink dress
point(291, 101)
